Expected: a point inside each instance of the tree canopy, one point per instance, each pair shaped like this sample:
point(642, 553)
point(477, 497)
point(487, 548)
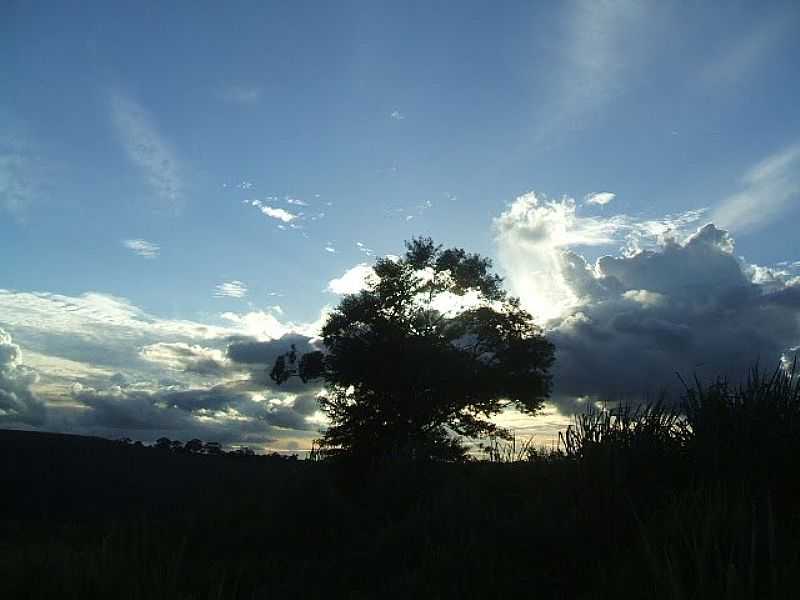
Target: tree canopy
point(425, 355)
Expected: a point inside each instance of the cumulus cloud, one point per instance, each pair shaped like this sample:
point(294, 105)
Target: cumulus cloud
point(231, 289)
point(686, 307)
point(600, 198)
point(147, 148)
point(216, 413)
point(188, 358)
point(106, 367)
point(19, 405)
point(142, 248)
point(534, 231)
point(769, 188)
point(352, 281)
point(624, 324)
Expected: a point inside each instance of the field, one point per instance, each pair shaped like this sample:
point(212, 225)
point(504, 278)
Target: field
point(646, 504)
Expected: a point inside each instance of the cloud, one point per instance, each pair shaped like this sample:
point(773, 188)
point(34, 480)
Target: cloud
point(275, 213)
point(397, 115)
point(18, 187)
point(599, 198)
point(534, 231)
point(364, 249)
point(769, 188)
point(106, 367)
point(686, 307)
point(735, 61)
point(19, 405)
point(601, 44)
point(188, 358)
point(352, 281)
point(252, 352)
point(231, 289)
point(214, 414)
point(624, 323)
point(296, 201)
point(142, 248)
point(240, 94)
point(146, 148)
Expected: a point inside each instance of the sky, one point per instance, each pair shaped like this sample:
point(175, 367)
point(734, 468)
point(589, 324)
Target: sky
point(186, 189)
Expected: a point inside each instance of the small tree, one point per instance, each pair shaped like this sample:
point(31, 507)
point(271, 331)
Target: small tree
point(428, 352)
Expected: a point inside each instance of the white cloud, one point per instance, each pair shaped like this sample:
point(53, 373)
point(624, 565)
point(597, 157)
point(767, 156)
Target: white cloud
point(397, 115)
point(231, 289)
point(19, 405)
point(258, 324)
point(364, 249)
point(599, 198)
point(769, 188)
point(147, 148)
point(534, 231)
point(330, 249)
point(296, 201)
point(274, 213)
point(667, 300)
point(142, 248)
point(353, 281)
point(183, 357)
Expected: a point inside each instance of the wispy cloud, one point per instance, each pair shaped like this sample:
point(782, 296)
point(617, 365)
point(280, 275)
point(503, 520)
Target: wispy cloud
point(147, 148)
point(397, 115)
point(231, 289)
point(20, 167)
point(769, 186)
point(330, 248)
point(603, 42)
point(735, 61)
point(599, 198)
point(142, 248)
point(364, 249)
point(16, 186)
point(240, 94)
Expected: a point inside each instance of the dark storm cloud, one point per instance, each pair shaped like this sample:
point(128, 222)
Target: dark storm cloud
point(689, 307)
point(218, 413)
point(252, 352)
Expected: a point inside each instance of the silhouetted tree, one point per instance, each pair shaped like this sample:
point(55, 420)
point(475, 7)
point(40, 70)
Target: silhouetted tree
point(194, 446)
point(432, 347)
point(212, 448)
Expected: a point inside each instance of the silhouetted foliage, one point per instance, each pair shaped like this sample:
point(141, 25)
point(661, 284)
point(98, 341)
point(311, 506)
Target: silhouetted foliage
point(431, 348)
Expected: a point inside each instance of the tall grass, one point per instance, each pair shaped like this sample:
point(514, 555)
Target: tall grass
point(696, 499)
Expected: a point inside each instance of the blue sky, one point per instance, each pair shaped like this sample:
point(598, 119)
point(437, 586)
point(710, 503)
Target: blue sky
point(206, 163)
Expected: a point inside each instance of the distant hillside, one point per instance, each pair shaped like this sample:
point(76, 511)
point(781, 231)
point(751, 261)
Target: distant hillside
point(56, 476)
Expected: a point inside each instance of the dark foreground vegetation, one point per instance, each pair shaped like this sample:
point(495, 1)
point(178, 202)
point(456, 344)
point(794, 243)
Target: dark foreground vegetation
point(702, 502)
